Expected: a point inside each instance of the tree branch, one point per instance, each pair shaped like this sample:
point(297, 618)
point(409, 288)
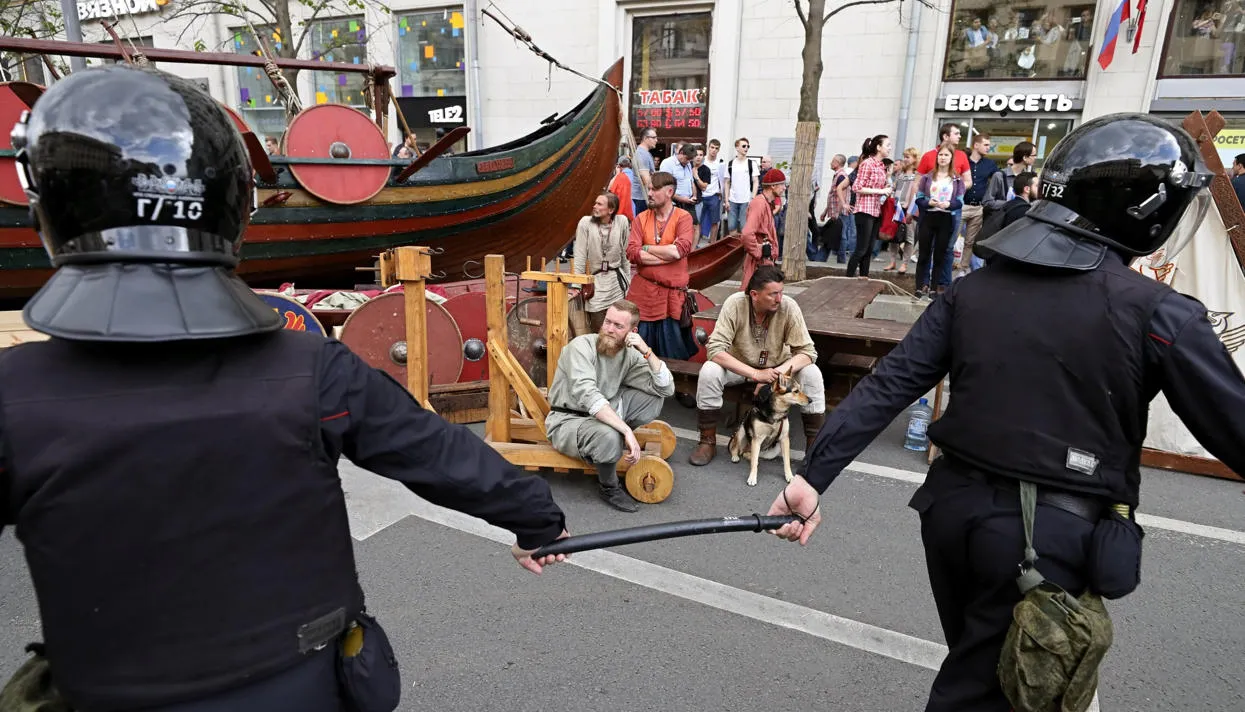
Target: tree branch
point(800, 11)
point(844, 6)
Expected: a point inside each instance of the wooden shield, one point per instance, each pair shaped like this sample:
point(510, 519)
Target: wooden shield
point(376, 332)
point(343, 134)
point(470, 313)
point(526, 333)
point(15, 97)
point(297, 317)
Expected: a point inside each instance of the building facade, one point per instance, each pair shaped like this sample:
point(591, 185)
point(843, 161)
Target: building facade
point(1018, 70)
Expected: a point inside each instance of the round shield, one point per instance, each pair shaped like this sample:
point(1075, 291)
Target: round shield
point(297, 317)
point(470, 313)
point(15, 97)
point(376, 332)
point(237, 120)
point(526, 332)
point(340, 133)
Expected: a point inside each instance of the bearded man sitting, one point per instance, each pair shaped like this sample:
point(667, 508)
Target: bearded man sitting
point(605, 385)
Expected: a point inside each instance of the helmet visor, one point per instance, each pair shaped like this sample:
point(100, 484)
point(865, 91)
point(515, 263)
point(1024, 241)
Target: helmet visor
point(1189, 225)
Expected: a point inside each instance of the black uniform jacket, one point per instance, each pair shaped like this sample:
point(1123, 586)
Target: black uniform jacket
point(373, 421)
point(1185, 359)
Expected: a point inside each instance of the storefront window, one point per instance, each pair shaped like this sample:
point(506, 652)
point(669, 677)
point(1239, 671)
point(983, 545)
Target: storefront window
point(257, 99)
point(340, 39)
point(1014, 39)
point(1006, 133)
point(670, 75)
point(1205, 38)
point(432, 49)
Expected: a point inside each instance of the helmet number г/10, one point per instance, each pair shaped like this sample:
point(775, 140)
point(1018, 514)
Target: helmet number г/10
point(181, 210)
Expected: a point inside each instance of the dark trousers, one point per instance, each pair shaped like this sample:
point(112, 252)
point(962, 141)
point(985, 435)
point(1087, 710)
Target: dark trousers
point(933, 237)
point(866, 232)
point(974, 542)
point(310, 686)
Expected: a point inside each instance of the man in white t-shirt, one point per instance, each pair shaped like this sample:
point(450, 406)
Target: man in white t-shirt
point(711, 194)
point(739, 184)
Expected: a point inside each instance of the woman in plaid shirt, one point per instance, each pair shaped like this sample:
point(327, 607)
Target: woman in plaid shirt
point(871, 189)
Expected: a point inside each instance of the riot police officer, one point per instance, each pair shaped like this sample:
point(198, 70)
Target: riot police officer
point(1055, 350)
point(170, 453)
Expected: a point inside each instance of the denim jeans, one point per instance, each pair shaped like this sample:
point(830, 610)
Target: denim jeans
point(847, 243)
point(735, 217)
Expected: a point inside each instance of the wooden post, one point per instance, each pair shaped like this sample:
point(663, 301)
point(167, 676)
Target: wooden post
point(497, 427)
point(413, 265)
point(555, 339)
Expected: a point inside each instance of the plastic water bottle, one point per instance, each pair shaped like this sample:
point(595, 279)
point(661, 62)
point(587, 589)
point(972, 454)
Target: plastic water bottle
point(919, 416)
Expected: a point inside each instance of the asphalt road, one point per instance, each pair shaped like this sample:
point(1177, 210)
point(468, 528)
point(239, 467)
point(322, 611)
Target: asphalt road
point(742, 620)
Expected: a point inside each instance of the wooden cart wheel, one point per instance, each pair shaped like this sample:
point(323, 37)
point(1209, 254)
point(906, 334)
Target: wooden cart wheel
point(660, 432)
point(650, 480)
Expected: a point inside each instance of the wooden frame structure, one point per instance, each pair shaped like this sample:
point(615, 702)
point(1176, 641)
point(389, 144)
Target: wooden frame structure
point(520, 437)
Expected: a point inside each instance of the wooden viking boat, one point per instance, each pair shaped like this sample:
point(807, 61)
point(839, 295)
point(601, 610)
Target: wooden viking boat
point(337, 199)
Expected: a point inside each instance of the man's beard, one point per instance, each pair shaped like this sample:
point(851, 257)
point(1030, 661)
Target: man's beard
point(609, 345)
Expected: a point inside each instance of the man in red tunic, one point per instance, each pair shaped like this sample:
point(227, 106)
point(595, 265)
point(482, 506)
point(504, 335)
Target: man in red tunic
point(759, 229)
point(661, 237)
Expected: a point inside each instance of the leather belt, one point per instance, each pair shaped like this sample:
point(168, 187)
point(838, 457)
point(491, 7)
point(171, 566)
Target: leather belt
point(1083, 506)
point(570, 411)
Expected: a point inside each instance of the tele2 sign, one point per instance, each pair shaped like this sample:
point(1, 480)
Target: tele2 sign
point(1013, 102)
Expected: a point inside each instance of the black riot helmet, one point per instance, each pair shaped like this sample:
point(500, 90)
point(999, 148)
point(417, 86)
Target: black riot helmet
point(1128, 182)
point(140, 188)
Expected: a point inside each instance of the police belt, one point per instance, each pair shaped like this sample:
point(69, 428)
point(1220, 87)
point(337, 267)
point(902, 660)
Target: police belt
point(1083, 506)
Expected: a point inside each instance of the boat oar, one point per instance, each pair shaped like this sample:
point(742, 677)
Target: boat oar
point(437, 149)
point(668, 530)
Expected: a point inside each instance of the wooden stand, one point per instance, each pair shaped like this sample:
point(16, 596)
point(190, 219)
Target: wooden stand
point(521, 438)
point(412, 266)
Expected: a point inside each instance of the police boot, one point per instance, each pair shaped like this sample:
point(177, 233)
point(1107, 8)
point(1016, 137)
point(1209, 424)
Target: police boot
point(812, 426)
point(610, 489)
point(704, 452)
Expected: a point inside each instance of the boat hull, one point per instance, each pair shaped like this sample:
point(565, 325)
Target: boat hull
point(520, 199)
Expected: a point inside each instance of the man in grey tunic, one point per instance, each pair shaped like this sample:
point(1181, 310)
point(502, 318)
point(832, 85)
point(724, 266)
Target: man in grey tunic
point(601, 391)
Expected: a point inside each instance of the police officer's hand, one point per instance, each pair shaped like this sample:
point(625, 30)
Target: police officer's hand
point(799, 498)
point(524, 557)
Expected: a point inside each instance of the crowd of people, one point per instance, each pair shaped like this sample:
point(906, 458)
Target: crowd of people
point(915, 206)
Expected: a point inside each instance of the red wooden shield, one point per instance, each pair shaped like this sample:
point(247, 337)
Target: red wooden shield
point(699, 325)
point(15, 97)
point(237, 120)
point(470, 313)
point(343, 133)
point(526, 330)
point(376, 332)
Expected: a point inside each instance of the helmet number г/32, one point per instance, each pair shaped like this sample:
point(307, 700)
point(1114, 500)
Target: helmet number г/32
point(1052, 190)
point(182, 210)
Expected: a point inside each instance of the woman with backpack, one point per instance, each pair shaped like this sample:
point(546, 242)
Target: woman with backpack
point(939, 193)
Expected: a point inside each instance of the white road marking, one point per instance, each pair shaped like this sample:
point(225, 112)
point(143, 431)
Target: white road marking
point(1231, 536)
point(836, 629)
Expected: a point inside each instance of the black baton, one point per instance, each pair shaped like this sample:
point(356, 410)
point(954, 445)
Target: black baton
point(669, 530)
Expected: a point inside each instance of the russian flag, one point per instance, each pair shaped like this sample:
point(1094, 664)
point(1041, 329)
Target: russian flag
point(1107, 53)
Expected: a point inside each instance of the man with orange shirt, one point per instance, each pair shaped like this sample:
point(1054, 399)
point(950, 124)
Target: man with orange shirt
point(759, 229)
point(948, 132)
point(661, 237)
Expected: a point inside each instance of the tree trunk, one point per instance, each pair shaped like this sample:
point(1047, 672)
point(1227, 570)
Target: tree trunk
point(289, 48)
point(807, 127)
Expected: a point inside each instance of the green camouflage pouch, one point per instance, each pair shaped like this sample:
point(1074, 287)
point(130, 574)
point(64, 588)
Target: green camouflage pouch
point(31, 688)
point(1056, 642)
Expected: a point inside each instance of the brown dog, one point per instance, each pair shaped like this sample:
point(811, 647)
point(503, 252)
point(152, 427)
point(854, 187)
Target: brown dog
point(766, 424)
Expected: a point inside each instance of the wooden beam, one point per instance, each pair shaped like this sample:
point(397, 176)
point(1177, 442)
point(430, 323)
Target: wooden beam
point(156, 54)
point(1187, 463)
point(532, 455)
point(413, 265)
point(523, 386)
point(555, 327)
point(497, 427)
